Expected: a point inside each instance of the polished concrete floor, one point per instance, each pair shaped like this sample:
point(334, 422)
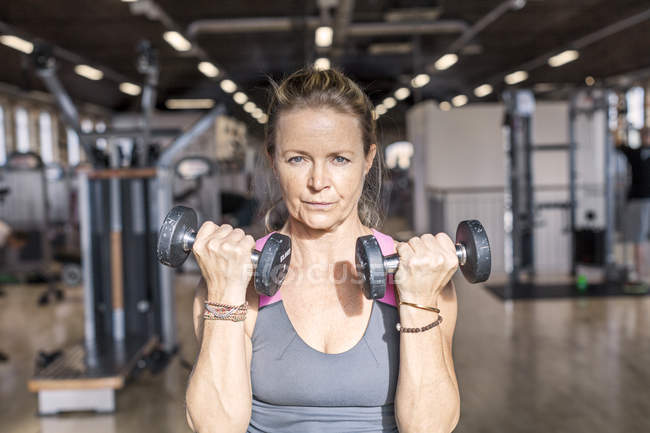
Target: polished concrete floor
point(574, 365)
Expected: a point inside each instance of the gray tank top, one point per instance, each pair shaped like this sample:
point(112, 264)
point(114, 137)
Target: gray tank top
point(297, 389)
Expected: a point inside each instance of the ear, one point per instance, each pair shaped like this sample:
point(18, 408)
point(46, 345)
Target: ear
point(370, 157)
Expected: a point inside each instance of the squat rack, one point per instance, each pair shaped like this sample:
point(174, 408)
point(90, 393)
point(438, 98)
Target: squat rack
point(520, 203)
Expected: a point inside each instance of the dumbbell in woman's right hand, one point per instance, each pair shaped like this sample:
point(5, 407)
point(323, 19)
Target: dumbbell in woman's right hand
point(224, 257)
point(178, 235)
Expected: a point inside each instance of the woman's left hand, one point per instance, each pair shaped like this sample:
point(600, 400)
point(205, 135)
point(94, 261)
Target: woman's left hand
point(426, 264)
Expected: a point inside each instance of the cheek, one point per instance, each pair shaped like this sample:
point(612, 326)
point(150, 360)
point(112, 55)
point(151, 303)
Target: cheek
point(349, 182)
point(291, 182)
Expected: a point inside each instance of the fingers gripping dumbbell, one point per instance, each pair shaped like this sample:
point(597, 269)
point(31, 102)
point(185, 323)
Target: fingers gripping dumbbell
point(472, 250)
point(178, 233)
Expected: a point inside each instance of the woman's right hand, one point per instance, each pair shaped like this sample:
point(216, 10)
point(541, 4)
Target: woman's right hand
point(224, 256)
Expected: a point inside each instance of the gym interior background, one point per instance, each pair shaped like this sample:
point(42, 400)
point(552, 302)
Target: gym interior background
point(511, 112)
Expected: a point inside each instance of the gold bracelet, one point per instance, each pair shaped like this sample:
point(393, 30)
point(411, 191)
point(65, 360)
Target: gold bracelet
point(421, 307)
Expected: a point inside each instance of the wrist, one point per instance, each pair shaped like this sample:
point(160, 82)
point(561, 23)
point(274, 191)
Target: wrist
point(232, 296)
point(410, 316)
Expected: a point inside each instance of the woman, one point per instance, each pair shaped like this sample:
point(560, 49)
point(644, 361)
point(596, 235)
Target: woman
point(318, 356)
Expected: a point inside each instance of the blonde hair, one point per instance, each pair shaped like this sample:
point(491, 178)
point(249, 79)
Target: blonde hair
point(312, 88)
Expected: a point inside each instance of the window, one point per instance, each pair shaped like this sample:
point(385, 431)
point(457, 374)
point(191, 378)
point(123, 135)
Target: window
point(634, 99)
point(86, 125)
point(22, 130)
point(46, 138)
point(3, 142)
point(399, 155)
point(74, 152)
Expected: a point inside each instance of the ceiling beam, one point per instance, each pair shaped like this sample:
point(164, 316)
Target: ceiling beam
point(286, 24)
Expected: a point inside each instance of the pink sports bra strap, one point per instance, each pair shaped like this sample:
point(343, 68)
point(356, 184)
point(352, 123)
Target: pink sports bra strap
point(266, 300)
point(387, 246)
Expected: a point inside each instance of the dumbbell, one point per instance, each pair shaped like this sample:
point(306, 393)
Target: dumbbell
point(178, 233)
point(472, 249)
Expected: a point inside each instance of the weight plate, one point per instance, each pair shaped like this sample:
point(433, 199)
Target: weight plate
point(273, 264)
point(71, 274)
point(478, 265)
point(370, 266)
point(179, 221)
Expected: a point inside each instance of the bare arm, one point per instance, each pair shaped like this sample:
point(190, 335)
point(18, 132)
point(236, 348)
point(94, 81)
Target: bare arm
point(219, 392)
point(427, 398)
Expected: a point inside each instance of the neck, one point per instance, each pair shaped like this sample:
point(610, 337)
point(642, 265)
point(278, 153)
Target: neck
point(319, 246)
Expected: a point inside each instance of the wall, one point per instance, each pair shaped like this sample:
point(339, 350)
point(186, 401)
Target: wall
point(463, 148)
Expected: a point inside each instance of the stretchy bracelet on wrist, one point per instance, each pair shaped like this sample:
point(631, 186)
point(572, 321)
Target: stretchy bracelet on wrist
point(424, 328)
point(421, 307)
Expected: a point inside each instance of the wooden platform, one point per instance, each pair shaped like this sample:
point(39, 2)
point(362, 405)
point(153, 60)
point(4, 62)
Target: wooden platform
point(80, 368)
point(84, 378)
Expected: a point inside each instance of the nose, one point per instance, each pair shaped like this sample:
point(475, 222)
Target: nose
point(318, 177)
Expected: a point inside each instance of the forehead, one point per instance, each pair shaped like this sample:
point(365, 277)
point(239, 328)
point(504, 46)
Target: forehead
point(307, 127)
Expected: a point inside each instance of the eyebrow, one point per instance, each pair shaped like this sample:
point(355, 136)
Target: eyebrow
point(302, 152)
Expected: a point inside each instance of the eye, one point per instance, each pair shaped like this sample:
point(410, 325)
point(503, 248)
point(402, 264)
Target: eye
point(295, 159)
point(341, 159)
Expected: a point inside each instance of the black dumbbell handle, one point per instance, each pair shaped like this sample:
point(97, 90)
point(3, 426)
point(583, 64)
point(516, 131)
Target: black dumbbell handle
point(391, 262)
point(190, 236)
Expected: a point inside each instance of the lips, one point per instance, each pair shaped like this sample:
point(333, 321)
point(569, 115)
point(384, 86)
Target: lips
point(319, 204)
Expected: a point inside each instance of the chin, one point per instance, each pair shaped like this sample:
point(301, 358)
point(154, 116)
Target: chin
point(320, 220)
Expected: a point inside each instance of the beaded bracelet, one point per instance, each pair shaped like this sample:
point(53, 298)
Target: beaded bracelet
point(424, 328)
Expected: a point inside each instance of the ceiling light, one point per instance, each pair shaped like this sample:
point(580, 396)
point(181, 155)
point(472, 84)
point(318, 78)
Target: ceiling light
point(518, 4)
point(420, 80)
point(590, 81)
point(388, 48)
point(322, 64)
point(483, 90)
point(444, 106)
point(446, 62)
point(189, 104)
point(240, 97)
point(17, 43)
point(459, 100)
point(89, 72)
point(263, 119)
point(130, 88)
point(413, 14)
point(324, 36)
point(389, 102)
point(129, 1)
point(563, 58)
point(228, 86)
point(249, 107)
point(177, 41)
point(402, 93)
point(516, 77)
point(208, 69)
point(471, 49)
point(380, 109)
point(543, 87)
point(257, 113)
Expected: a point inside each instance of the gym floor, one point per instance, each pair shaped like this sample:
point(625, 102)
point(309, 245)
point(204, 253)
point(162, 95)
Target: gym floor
point(569, 365)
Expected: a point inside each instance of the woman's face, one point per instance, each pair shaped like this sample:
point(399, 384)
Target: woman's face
point(320, 164)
